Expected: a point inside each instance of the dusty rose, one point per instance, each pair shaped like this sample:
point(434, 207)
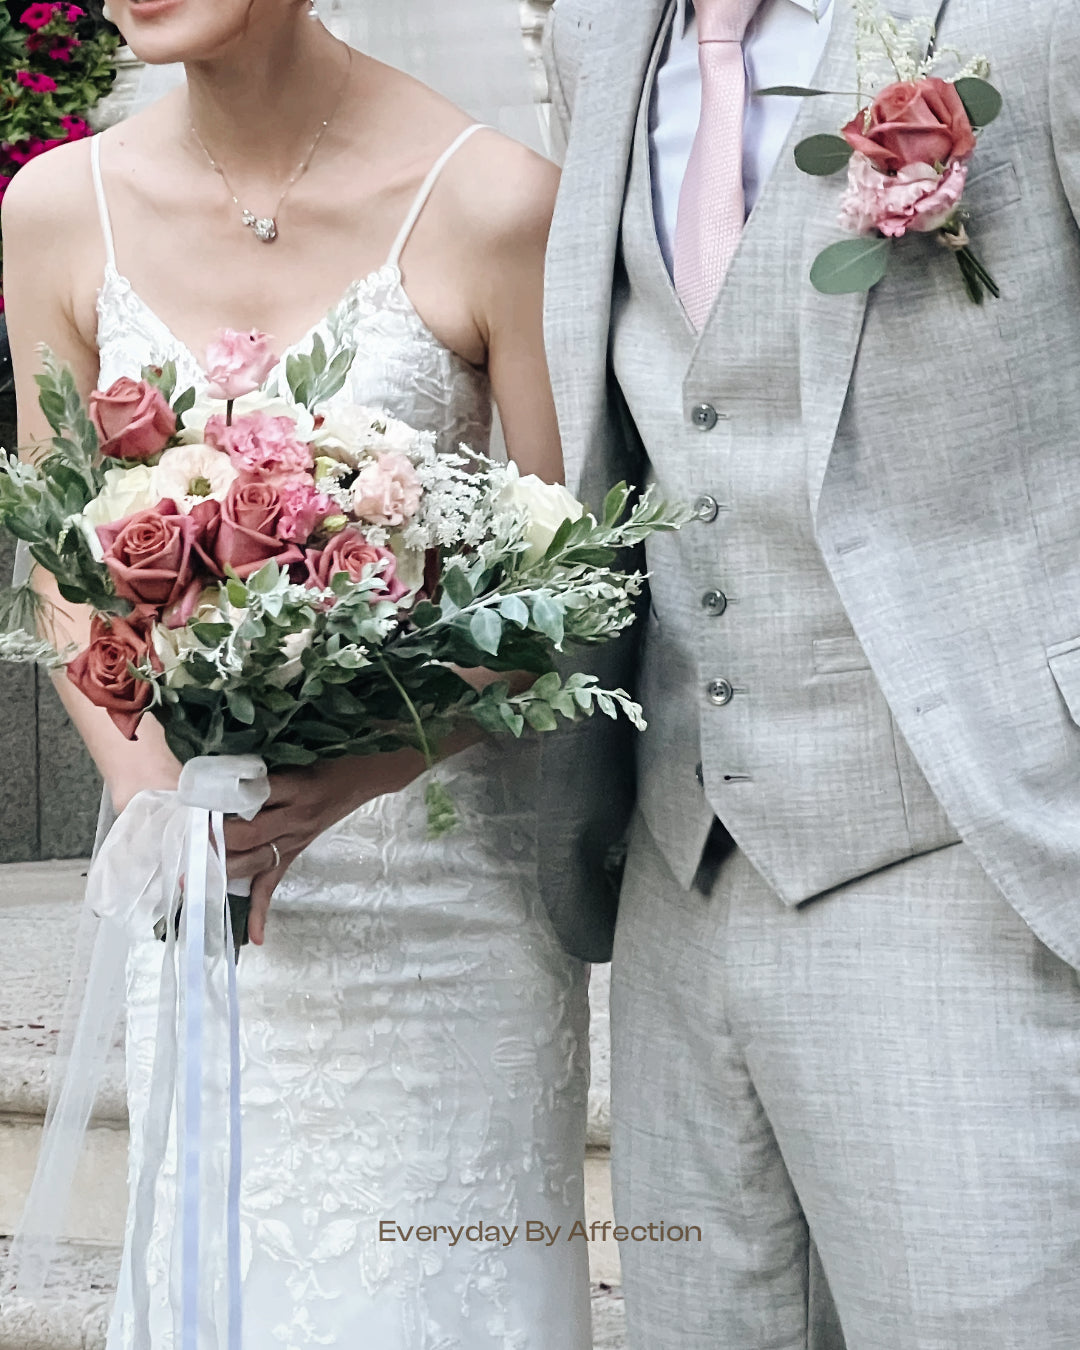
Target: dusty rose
point(132, 418)
point(386, 491)
point(350, 552)
point(302, 508)
point(237, 363)
point(912, 123)
point(250, 531)
point(101, 671)
point(917, 198)
point(157, 558)
point(261, 445)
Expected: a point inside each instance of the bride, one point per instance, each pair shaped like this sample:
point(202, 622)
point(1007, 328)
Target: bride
point(414, 1038)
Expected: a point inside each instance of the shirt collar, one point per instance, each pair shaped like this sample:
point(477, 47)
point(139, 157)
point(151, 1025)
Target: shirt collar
point(684, 9)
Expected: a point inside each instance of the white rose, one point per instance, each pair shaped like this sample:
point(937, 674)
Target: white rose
point(190, 474)
point(125, 492)
point(293, 646)
point(546, 505)
point(193, 422)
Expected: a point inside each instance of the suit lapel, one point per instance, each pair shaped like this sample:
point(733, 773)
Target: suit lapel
point(585, 228)
point(830, 326)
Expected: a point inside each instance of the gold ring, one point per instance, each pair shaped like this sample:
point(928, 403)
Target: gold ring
point(277, 855)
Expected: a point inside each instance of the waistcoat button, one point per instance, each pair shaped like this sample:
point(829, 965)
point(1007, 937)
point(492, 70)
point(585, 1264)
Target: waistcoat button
point(704, 417)
point(714, 602)
point(719, 692)
point(706, 509)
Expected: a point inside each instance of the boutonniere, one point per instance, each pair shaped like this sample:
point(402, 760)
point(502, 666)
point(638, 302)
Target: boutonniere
point(907, 152)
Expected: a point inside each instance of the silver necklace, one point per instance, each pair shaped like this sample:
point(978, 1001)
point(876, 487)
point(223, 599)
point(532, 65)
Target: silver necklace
point(265, 227)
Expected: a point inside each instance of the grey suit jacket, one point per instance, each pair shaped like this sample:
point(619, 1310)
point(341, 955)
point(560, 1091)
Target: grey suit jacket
point(942, 438)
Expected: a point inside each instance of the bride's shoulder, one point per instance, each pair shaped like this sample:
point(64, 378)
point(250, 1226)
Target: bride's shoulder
point(51, 195)
point(501, 192)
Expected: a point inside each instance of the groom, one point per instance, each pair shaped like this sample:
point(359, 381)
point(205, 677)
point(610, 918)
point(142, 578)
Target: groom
point(846, 1008)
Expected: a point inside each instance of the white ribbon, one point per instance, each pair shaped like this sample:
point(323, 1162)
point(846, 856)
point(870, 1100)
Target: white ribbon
point(136, 880)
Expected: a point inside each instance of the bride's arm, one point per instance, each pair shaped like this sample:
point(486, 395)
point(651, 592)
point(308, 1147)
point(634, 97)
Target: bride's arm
point(45, 224)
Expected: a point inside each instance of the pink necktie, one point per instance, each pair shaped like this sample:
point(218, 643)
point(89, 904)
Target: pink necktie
point(712, 208)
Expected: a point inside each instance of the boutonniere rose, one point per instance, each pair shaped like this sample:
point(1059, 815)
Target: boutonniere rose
point(907, 154)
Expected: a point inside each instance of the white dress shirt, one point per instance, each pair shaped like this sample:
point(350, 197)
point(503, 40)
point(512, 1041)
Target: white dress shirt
point(783, 45)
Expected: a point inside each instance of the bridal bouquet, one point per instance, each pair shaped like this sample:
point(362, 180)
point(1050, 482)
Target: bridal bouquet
point(274, 575)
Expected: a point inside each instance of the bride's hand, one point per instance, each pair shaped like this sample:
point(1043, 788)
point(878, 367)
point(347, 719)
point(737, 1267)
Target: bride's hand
point(302, 804)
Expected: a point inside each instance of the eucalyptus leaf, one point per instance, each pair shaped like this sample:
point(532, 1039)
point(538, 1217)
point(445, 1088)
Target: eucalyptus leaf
point(540, 717)
point(851, 265)
point(790, 91)
point(456, 585)
point(981, 100)
point(823, 154)
point(548, 617)
point(486, 629)
point(515, 610)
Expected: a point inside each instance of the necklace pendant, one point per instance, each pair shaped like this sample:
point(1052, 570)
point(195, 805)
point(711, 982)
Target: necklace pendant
point(265, 227)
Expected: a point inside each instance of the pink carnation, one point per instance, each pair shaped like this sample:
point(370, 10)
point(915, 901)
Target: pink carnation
point(917, 198)
point(37, 84)
point(387, 492)
point(37, 16)
point(260, 445)
point(302, 508)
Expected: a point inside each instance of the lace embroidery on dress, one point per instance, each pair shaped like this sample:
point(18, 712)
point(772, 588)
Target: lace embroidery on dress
point(415, 1041)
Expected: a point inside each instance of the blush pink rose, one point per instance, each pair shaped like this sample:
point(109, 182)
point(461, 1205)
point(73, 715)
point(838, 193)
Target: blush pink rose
point(237, 363)
point(132, 418)
point(921, 122)
point(101, 671)
point(387, 491)
point(302, 508)
point(249, 534)
point(350, 552)
point(917, 198)
point(262, 446)
point(157, 558)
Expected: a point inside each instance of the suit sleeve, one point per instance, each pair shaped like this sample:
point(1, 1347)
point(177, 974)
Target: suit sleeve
point(1065, 98)
point(560, 106)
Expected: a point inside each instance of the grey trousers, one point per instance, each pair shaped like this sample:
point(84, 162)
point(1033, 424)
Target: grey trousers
point(890, 1074)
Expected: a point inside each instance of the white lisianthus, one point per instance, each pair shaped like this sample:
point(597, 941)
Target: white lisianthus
point(174, 645)
point(546, 505)
point(354, 434)
point(293, 646)
point(125, 492)
point(193, 422)
point(191, 474)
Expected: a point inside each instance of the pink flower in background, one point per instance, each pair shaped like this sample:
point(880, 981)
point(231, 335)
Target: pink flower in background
point(237, 363)
point(350, 552)
point(261, 445)
point(76, 128)
point(73, 12)
point(917, 198)
point(387, 491)
point(37, 16)
point(37, 84)
point(62, 52)
point(302, 508)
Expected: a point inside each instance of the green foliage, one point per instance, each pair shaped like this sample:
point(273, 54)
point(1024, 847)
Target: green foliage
point(823, 154)
point(314, 377)
point(851, 265)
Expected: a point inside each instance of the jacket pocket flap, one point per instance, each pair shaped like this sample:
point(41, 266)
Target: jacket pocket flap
point(1064, 661)
point(836, 655)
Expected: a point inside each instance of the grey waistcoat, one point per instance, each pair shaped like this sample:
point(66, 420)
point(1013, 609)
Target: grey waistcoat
point(761, 703)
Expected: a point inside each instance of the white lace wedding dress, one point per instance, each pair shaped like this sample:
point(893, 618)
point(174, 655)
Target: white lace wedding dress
point(414, 1039)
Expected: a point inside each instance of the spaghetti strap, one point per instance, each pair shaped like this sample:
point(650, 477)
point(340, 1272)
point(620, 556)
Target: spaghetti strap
point(103, 206)
point(426, 188)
